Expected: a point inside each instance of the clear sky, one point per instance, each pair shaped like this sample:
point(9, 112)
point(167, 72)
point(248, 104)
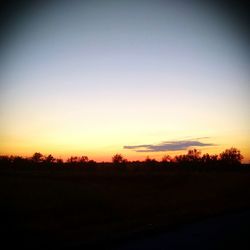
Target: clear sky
point(103, 77)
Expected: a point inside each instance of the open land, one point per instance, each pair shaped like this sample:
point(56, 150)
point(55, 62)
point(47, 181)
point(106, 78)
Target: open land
point(106, 205)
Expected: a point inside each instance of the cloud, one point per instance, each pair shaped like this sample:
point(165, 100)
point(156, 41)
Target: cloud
point(137, 146)
point(169, 146)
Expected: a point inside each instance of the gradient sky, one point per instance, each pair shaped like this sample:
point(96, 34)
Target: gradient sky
point(99, 77)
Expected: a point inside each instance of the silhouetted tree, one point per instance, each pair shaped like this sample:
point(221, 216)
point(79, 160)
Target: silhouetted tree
point(193, 155)
point(150, 162)
point(180, 158)
point(231, 156)
point(192, 158)
point(18, 160)
point(72, 159)
point(209, 159)
point(118, 159)
point(5, 160)
point(59, 161)
point(83, 159)
point(91, 163)
point(166, 159)
point(37, 157)
point(49, 159)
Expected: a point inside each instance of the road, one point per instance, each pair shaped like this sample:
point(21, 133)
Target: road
point(231, 231)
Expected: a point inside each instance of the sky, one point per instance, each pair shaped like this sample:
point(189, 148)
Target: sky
point(140, 78)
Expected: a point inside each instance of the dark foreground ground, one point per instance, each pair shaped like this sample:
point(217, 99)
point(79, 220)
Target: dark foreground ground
point(112, 208)
point(228, 231)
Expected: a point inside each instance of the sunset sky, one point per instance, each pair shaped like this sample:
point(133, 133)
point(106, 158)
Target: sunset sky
point(140, 78)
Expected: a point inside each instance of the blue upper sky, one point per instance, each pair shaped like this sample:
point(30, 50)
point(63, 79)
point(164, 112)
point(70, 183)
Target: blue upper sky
point(104, 74)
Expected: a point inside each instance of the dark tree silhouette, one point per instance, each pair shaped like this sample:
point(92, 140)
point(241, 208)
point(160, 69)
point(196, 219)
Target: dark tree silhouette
point(166, 159)
point(193, 155)
point(209, 159)
point(72, 159)
point(192, 158)
point(83, 159)
point(78, 160)
point(231, 156)
point(49, 159)
point(150, 162)
point(118, 159)
point(37, 157)
point(59, 161)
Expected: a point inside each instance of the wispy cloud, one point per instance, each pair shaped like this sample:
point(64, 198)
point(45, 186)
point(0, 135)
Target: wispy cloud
point(169, 145)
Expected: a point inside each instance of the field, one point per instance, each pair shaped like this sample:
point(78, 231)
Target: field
point(46, 208)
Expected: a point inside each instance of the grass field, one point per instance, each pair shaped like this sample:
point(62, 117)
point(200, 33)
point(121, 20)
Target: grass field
point(48, 208)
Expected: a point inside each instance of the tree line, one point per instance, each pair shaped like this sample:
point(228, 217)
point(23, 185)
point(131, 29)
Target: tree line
point(230, 156)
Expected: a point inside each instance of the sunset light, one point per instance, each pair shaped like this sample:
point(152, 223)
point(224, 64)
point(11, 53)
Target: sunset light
point(91, 78)
point(124, 124)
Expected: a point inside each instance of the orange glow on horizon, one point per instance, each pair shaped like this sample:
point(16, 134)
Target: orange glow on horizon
point(130, 156)
point(160, 73)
